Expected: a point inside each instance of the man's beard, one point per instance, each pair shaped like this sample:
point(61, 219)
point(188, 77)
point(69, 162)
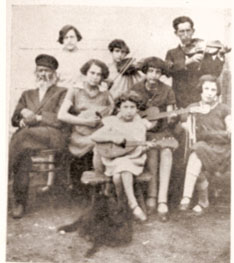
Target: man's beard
point(43, 83)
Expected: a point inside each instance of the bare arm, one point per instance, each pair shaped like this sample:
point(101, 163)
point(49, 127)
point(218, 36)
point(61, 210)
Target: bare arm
point(65, 116)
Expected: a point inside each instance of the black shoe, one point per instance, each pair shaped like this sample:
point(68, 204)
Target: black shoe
point(18, 211)
point(163, 217)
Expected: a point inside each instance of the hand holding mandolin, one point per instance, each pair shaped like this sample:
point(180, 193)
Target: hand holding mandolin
point(112, 150)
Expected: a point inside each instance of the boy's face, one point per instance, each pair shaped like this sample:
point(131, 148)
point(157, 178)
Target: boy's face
point(153, 75)
point(118, 54)
point(128, 110)
point(209, 92)
point(184, 32)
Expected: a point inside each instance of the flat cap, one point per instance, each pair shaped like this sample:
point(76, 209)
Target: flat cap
point(47, 61)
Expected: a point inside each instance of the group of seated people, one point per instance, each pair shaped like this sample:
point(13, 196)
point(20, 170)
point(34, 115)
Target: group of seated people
point(127, 103)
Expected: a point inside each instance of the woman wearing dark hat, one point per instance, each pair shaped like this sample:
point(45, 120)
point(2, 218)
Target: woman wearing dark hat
point(90, 101)
point(70, 57)
point(154, 93)
point(211, 152)
point(123, 71)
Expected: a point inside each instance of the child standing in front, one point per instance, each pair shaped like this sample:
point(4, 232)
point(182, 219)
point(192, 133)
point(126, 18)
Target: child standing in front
point(127, 125)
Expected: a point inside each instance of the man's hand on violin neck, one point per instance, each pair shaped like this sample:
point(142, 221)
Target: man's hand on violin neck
point(196, 58)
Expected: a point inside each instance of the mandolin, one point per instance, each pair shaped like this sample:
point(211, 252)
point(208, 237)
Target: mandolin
point(90, 114)
point(112, 150)
point(154, 114)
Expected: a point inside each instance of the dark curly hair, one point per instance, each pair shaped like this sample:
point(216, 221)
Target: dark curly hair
point(63, 31)
point(153, 62)
point(129, 96)
point(209, 78)
point(118, 43)
point(182, 19)
point(105, 71)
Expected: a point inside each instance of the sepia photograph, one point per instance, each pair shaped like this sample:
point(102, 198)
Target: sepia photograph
point(118, 132)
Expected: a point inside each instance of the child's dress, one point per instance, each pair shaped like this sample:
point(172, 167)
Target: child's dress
point(134, 161)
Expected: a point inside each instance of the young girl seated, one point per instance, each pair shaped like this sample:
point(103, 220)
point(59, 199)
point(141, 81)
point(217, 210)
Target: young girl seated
point(127, 125)
point(211, 152)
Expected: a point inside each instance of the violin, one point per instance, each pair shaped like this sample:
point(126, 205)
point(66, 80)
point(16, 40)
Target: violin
point(200, 46)
point(126, 68)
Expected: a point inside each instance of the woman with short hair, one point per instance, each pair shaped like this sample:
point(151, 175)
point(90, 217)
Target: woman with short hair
point(211, 152)
point(83, 108)
point(70, 58)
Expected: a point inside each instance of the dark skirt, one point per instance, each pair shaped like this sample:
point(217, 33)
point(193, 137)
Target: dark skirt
point(214, 157)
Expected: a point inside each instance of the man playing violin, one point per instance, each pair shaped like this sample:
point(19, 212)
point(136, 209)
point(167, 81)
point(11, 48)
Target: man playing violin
point(188, 62)
point(211, 151)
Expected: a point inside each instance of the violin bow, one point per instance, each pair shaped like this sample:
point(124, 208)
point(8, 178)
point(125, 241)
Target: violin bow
point(126, 66)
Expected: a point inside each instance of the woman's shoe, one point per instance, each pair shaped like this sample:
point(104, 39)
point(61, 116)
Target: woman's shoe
point(185, 204)
point(199, 210)
point(18, 211)
point(163, 217)
point(163, 213)
point(151, 204)
point(44, 189)
point(139, 214)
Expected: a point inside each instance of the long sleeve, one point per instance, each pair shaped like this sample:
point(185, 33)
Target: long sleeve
point(211, 66)
point(175, 61)
point(16, 118)
point(49, 117)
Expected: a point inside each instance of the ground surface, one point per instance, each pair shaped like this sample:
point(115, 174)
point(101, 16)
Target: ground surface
point(184, 238)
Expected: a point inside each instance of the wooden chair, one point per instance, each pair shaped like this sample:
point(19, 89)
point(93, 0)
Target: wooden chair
point(96, 181)
point(50, 162)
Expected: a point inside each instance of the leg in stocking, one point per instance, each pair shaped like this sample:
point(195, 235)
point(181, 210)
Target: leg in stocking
point(152, 168)
point(202, 187)
point(127, 179)
point(193, 170)
point(164, 178)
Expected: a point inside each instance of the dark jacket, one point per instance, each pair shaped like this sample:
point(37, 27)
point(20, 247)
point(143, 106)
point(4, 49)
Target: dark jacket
point(48, 133)
point(185, 79)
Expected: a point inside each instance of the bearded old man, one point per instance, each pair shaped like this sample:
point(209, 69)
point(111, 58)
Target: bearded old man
point(36, 117)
